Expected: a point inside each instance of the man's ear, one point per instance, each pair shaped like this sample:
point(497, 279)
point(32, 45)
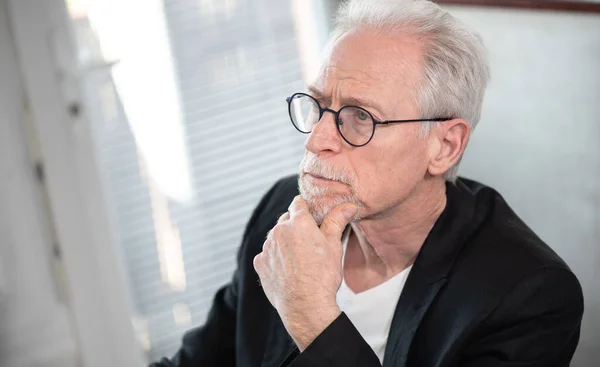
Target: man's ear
point(451, 140)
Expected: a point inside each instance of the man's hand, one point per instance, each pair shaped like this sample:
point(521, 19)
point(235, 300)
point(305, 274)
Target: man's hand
point(300, 269)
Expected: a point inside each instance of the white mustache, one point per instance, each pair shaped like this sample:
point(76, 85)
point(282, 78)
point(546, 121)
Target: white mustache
point(311, 164)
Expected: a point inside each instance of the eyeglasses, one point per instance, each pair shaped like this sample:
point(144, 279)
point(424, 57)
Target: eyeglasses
point(355, 124)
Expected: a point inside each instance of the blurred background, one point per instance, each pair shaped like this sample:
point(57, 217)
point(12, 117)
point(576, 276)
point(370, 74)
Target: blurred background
point(136, 136)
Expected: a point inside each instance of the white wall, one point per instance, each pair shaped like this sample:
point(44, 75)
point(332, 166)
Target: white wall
point(34, 324)
point(539, 139)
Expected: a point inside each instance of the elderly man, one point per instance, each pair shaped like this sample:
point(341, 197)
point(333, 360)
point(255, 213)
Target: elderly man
point(386, 257)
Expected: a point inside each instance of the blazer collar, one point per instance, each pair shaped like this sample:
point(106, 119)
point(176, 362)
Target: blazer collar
point(431, 269)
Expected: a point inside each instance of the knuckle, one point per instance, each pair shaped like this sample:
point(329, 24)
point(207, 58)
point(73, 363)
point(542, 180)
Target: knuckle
point(268, 246)
point(283, 217)
point(269, 235)
point(257, 262)
point(300, 213)
point(278, 230)
point(337, 222)
point(295, 201)
point(301, 221)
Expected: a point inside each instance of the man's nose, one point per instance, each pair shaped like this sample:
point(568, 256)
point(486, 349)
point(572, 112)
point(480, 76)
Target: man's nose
point(325, 135)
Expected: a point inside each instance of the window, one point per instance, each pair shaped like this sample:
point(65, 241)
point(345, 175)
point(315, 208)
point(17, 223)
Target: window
point(187, 104)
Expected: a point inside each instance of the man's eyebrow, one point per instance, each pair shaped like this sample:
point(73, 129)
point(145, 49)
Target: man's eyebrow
point(355, 101)
point(361, 103)
point(316, 93)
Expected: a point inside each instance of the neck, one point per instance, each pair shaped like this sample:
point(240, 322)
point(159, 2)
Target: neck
point(390, 242)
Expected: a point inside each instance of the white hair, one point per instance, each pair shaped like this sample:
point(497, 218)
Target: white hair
point(455, 70)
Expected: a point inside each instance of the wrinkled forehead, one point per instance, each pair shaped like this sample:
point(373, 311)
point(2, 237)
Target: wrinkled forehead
point(371, 59)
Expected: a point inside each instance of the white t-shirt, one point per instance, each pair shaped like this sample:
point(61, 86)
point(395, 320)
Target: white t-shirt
point(372, 311)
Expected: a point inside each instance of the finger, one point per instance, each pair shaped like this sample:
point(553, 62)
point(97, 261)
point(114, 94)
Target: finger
point(298, 207)
point(257, 263)
point(285, 216)
point(267, 245)
point(337, 219)
point(269, 235)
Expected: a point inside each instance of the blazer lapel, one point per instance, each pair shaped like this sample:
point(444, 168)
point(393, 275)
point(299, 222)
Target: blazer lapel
point(418, 293)
point(430, 271)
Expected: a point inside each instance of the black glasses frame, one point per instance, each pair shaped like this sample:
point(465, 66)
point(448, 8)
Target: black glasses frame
point(338, 122)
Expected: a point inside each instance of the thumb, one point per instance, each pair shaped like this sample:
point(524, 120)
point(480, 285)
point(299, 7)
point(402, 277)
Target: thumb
point(336, 220)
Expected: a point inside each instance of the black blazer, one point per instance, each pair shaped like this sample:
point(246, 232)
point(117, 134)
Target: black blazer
point(484, 291)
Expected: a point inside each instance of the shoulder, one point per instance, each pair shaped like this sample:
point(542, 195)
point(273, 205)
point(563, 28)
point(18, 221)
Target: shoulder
point(504, 255)
point(503, 240)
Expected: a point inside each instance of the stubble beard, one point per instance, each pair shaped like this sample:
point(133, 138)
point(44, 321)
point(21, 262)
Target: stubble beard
point(321, 199)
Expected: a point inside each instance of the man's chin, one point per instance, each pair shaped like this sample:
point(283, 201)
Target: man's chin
point(318, 210)
point(320, 205)
point(321, 200)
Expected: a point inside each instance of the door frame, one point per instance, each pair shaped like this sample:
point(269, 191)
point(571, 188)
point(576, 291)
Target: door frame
point(98, 296)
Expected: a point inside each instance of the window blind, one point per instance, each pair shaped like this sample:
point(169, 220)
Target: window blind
point(235, 61)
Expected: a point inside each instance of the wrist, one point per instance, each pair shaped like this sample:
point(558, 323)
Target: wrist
point(307, 326)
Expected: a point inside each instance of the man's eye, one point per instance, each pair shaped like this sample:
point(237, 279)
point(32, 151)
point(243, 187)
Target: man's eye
point(363, 115)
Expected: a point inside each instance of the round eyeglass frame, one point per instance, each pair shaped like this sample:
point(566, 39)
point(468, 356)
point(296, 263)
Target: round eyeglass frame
point(338, 122)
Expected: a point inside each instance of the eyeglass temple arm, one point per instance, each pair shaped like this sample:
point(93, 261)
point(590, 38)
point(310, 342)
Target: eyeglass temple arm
point(413, 120)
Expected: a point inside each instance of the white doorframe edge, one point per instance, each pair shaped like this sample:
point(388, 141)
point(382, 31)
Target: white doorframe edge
point(98, 295)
